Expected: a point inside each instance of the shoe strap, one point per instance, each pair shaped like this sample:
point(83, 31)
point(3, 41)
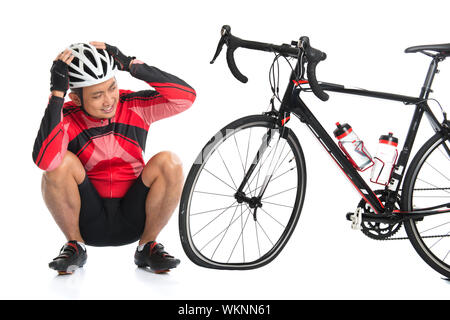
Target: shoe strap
point(158, 248)
point(68, 250)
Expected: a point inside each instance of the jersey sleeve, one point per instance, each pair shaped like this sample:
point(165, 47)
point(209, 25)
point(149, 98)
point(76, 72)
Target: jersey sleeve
point(52, 139)
point(172, 94)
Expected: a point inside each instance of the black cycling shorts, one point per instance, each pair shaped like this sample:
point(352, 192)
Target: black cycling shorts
point(115, 221)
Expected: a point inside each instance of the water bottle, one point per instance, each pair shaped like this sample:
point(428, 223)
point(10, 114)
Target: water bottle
point(353, 147)
point(385, 159)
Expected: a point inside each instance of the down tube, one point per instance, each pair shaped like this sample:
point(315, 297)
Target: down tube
point(336, 154)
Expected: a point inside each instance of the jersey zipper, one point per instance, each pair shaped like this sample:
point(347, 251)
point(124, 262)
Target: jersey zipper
point(109, 161)
point(110, 171)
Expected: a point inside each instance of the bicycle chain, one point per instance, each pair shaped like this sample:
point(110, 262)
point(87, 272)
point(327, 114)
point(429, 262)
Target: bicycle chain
point(427, 189)
point(424, 237)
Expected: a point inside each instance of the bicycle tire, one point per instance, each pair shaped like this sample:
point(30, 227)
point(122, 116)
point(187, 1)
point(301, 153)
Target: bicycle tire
point(409, 199)
point(184, 213)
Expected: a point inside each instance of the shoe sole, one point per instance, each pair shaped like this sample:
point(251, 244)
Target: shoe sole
point(157, 271)
point(69, 270)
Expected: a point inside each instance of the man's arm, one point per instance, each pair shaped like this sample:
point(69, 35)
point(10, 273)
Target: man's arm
point(52, 139)
point(172, 94)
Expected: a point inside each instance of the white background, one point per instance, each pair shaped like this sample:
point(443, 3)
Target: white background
point(324, 259)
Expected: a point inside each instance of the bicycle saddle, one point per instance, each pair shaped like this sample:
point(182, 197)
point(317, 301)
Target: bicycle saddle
point(443, 49)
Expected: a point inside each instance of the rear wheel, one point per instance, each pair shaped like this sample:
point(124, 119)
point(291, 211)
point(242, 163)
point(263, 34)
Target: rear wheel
point(219, 229)
point(427, 184)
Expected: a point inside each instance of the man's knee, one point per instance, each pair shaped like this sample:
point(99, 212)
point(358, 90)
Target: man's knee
point(70, 166)
point(169, 166)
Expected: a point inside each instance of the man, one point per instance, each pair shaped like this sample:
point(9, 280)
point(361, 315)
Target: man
point(96, 184)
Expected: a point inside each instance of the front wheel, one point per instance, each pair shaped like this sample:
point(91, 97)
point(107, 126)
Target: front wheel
point(427, 184)
point(222, 228)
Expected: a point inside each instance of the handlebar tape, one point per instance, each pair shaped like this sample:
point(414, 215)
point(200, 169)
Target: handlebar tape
point(314, 56)
point(232, 65)
point(317, 90)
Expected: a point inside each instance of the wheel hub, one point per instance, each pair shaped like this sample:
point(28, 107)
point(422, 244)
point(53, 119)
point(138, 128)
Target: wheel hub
point(253, 202)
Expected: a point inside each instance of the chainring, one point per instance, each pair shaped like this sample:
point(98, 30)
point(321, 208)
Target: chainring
point(378, 230)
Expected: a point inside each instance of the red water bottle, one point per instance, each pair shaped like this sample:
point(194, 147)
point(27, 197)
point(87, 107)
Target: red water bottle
point(385, 159)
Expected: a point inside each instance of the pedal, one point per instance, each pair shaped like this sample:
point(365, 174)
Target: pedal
point(355, 218)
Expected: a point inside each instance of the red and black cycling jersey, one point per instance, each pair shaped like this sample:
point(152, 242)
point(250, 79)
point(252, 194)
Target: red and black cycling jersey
point(111, 149)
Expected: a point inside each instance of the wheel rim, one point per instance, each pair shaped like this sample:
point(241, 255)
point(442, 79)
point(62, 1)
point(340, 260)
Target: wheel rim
point(227, 233)
point(431, 187)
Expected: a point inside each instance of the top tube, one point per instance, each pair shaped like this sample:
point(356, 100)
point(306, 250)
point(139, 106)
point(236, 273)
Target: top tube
point(368, 93)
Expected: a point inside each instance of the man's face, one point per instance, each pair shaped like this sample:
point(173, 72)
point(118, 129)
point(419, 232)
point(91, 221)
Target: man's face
point(100, 100)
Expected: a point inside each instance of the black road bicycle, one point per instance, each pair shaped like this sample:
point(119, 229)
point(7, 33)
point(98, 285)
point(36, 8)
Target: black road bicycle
point(243, 195)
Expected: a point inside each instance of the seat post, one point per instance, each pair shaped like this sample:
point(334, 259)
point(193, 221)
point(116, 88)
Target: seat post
point(432, 70)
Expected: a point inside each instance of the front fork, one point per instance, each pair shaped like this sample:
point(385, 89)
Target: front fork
point(279, 130)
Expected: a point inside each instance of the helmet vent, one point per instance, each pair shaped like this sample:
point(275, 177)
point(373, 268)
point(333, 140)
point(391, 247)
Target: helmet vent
point(89, 71)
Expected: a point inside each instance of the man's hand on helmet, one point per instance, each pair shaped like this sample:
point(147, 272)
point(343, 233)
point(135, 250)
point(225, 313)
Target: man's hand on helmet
point(59, 79)
point(123, 62)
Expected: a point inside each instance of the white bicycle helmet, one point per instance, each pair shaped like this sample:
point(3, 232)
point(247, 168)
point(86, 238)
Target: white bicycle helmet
point(90, 66)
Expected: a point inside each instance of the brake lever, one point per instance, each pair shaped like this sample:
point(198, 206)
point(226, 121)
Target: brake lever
point(223, 39)
point(219, 49)
point(313, 57)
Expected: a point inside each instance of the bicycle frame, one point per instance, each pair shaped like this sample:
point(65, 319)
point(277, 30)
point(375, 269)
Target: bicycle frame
point(292, 103)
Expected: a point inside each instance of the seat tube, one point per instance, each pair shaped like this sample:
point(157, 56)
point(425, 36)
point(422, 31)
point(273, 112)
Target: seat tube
point(432, 70)
point(399, 170)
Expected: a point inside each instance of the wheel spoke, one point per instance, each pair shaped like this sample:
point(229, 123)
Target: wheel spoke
point(432, 196)
point(243, 247)
point(278, 204)
point(208, 211)
point(256, 175)
point(225, 233)
point(439, 240)
point(275, 194)
point(240, 234)
point(226, 167)
point(446, 255)
point(431, 184)
point(437, 171)
point(275, 167)
point(289, 151)
point(257, 239)
point(435, 227)
point(215, 194)
point(213, 219)
point(274, 178)
point(446, 156)
point(239, 152)
point(273, 217)
point(248, 148)
point(212, 239)
point(219, 178)
point(264, 231)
